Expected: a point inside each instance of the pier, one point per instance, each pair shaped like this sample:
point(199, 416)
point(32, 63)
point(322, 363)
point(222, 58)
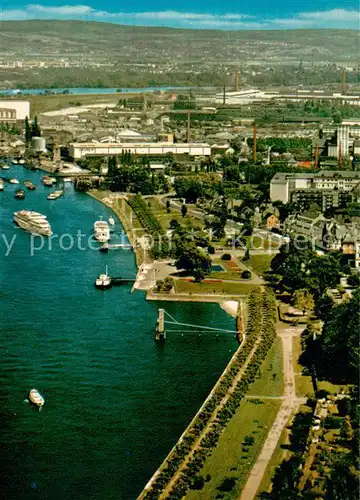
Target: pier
point(160, 333)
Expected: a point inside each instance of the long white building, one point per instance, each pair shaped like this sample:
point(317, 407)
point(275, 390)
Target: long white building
point(12, 110)
point(79, 150)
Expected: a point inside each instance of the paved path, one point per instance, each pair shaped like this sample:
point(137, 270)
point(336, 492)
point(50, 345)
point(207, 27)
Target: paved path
point(289, 405)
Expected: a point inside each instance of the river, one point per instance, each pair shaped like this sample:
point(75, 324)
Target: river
point(115, 400)
point(89, 90)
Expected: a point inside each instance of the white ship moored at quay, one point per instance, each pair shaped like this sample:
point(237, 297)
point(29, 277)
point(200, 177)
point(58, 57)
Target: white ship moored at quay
point(101, 231)
point(34, 222)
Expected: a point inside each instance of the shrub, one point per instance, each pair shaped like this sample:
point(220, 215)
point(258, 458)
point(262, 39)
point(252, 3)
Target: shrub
point(248, 441)
point(226, 256)
point(246, 275)
point(227, 485)
point(211, 250)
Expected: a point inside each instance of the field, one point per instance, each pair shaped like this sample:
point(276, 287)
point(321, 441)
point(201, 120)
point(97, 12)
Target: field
point(231, 458)
point(226, 288)
point(164, 217)
point(259, 263)
point(271, 379)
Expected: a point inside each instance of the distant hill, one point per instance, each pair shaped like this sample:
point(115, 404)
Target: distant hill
point(104, 41)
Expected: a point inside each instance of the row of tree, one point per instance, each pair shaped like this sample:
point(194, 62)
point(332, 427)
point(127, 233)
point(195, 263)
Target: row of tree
point(31, 129)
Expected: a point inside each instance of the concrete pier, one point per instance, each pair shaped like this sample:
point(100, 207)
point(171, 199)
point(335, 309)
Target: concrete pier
point(160, 334)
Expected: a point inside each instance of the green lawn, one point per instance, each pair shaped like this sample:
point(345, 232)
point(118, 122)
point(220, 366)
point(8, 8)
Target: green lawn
point(230, 458)
point(259, 243)
point(271, 381)
point(164, 217)
point(213, 288)
point(42, 103)
point(259, 263)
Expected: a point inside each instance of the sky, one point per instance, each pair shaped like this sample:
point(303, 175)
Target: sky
point(199, 14)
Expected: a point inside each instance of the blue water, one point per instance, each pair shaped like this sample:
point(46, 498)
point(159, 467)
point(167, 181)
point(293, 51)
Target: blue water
point(89, 90)
point(115, 400)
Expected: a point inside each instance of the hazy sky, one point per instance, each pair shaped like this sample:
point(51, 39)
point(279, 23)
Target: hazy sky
point(220, 14)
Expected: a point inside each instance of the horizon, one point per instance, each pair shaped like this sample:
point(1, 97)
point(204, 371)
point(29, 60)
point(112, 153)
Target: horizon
point(208, 15)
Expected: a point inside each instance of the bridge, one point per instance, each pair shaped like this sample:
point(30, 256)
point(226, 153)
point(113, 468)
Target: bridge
point(164, 318)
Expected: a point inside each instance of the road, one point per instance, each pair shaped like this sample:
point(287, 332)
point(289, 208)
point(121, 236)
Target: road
point(290, 403)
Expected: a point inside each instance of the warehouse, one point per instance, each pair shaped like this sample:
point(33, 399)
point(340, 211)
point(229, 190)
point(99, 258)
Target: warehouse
point(82, 149)
point(12, 110)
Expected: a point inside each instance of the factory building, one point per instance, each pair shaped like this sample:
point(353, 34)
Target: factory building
point(12, 110)
point(329, 189)
point(82, 149)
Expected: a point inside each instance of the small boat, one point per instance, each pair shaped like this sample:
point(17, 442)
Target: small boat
point(111, 221)
point(1, 185)
point(21, 161)
point(48, 181)
point(20, 194)
point(104, 248)
point(35, 398)
point(29, 185)
point(5, 167)
point(55, 195)
point(67, 179)
point(14, 181)
point(14, 162)
point(103, 281)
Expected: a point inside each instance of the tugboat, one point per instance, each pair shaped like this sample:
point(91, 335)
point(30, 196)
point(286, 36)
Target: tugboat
point(20, 194)
point(35, 398)
point(103, 281)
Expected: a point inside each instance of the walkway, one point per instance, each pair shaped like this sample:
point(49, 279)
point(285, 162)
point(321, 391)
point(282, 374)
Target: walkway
point(290, 403)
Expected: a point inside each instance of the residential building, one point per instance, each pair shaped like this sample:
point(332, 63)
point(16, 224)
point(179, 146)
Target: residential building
point(329, 189)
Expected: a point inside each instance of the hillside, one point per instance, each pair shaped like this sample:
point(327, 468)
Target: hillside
point(30, 39)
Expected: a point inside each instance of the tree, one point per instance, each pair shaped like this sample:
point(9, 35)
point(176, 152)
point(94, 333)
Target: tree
point(193, 259)
point(184, 210)
point(168, 206)
point(346, 430)
point(27, 131)
point(304, 300)
point(35, 129)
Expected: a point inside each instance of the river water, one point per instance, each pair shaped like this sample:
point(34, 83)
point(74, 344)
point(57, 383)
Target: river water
point(115, 400)
point(89, 90)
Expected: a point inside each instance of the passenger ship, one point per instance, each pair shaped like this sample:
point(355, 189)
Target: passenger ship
point(101, 231)
point(34, 222)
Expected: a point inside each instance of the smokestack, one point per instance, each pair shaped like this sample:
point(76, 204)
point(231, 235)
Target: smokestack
point(224, 95)
point(237, 81)
point(254, 143)
point(343, 75)
point(188, 127)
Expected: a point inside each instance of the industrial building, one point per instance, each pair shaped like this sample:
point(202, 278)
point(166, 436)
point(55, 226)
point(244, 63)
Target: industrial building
point(329, 189)
point(82, 149)
point(12, 110)
point(249, 96)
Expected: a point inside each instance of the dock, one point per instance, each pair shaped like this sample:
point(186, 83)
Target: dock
point(121, 281)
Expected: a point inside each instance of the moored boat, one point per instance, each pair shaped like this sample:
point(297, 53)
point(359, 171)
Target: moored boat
point(13, 181)
point(20, 194)
point(5, 167)
point(104, 248)
point(48, 181)
point(1, 185)
point(21, 161)
point(103, 281)
point(34, 222)
point(29, 185)
point(101, 231)
point(111, 221)
point(55, 195)
point(14, 161)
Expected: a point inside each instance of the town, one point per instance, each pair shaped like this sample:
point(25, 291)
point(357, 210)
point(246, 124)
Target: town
point(242, 196)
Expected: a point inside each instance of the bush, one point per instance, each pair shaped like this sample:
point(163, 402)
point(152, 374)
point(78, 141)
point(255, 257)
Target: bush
point(226, 256)
point(248, 441)
point(227, 485)
point(246, 275)
point(197, 483)
point(211, 250)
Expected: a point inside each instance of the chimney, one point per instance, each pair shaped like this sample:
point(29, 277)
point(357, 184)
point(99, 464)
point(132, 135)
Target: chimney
point(237, 81)
point(343, 75)
point(224, 95)
point(188, 127)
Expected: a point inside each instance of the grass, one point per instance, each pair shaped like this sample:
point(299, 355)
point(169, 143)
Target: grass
point(259, 263)
point(267, 385)
point(213, 288)
point(164, 217)
point(42, 103)
point(230, 273)
point(259, 243)
point(230, 459)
